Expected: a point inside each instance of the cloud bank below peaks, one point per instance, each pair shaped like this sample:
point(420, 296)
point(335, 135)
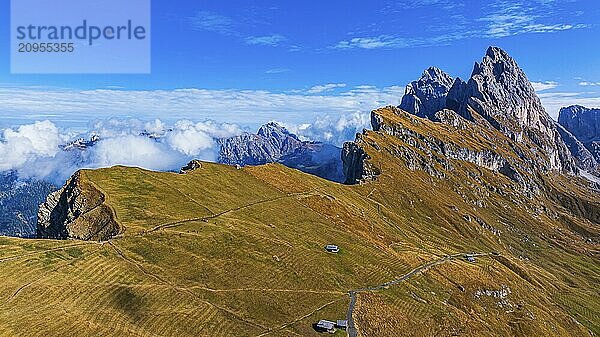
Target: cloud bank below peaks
point(38, 150)
point(42, 151)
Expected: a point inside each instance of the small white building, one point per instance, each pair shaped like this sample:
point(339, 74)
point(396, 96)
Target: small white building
point(332, 249)
point(326, 326)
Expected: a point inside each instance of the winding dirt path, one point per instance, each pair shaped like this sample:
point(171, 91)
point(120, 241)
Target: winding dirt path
point(352, 331)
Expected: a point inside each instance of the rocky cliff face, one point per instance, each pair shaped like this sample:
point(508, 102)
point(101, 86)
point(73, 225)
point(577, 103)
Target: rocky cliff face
point(357, 168)
point(428, 95)
point(584, 158)
point(583, 124)
point(498, 96)
point(500, 92)
point(77, 211)
point(274, 144)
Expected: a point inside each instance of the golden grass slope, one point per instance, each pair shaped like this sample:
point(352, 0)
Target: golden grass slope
point(227, 252)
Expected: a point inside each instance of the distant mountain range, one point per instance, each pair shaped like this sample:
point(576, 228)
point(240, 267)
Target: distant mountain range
point(274, 144)
point(19, 201)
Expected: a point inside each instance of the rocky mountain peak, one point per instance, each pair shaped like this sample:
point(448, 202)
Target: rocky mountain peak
point(501, 92)
point(276, 131)
point(497, 53)
point(435, 74)
point(273, 143)
point(427, 95)
point(499, 96)
point(582, 122)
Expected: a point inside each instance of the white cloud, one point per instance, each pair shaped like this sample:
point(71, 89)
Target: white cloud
point(332, 129)
point(317, 89)
point(510, 18)
point(383, 41)
point(41, 139)
point(34, 150)
point(277, 71)
point(269, 40)
point(494, 19)
point(212, 22)
point(248, 107)
point(134, 151)
point(543, 86)
point(589, 84)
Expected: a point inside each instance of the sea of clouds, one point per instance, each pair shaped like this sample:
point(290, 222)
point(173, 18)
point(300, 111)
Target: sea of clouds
point(35, 151)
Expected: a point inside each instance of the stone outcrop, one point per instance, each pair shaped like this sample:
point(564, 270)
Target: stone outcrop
point(585, 159)
point(357, 167)
point(77, 211)
point(428, 95)
point(451, 118)
point(191, 166)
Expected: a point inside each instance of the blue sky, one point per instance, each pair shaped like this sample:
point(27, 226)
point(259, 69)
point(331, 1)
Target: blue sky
point(251, 62)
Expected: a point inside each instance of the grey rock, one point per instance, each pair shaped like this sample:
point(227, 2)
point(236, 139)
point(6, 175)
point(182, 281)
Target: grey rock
point(438, 151)
point(582, 122)
point(191, 166)
point(594, 148)
point(357, 168)
point(428, 95)
point(274, 144)
point(450, 117)
point(76, 211)
point(585, 159)
point(271, 143)
point(457, 97)
point(81, 144)
point(499, 91)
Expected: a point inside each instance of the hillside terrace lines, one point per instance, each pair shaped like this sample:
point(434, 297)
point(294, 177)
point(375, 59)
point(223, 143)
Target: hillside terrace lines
point(178, 191)
point(44, 251)
point(265, 238)
point(45, 275)
point(183, 289)
point(214, 216)
point(268, 290)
